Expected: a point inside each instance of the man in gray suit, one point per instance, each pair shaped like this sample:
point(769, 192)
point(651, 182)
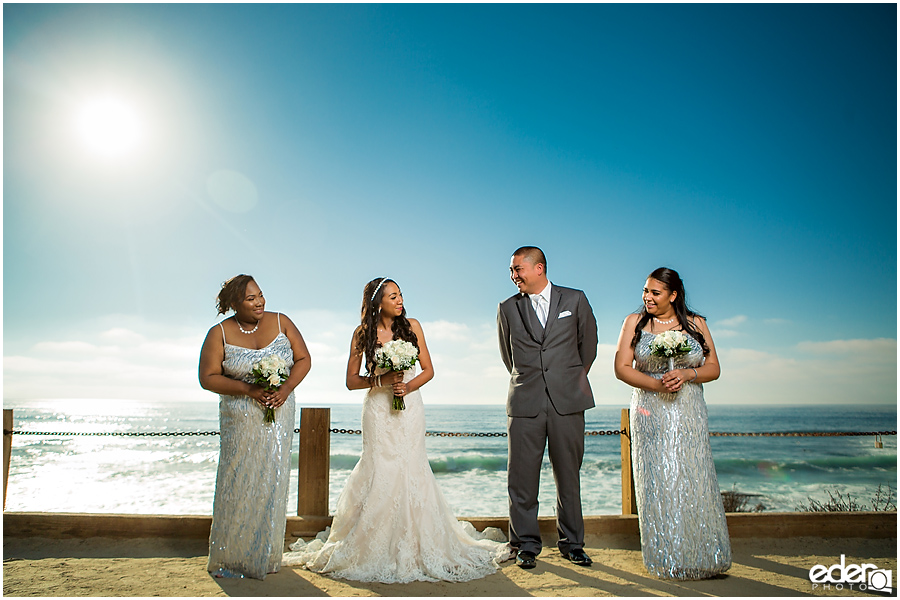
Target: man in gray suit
point(548, 341)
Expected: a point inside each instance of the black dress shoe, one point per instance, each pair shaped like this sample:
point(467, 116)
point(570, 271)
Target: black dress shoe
point(578, 557)
point(526, 560)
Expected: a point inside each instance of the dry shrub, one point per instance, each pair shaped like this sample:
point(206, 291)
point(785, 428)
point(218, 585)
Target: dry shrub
point(883, 500)
point(735, 501)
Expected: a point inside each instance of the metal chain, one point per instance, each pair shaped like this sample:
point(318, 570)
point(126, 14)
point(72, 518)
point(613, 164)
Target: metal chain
point(452, 434)
point(801, 433)
point(113, 433)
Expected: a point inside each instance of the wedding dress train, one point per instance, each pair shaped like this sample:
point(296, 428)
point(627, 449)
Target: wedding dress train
point(392, 523)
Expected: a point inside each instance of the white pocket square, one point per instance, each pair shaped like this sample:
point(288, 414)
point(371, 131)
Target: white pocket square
point(564, 313)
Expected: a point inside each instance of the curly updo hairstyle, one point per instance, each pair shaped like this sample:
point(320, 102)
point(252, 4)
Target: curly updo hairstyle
point(367, 335)
point(673, 282)
point(232, 293)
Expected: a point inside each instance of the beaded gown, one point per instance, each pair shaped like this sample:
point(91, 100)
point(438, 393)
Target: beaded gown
point(392, 523)
point(682, 521)
point(249, 510)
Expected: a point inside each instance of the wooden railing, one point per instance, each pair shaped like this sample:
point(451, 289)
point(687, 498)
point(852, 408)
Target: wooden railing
point(629, 500)
point(7, 447)
point(315, 462)
point(312, 492)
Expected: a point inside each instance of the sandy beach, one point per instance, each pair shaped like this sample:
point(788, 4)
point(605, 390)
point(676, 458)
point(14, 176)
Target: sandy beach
point(35, 566)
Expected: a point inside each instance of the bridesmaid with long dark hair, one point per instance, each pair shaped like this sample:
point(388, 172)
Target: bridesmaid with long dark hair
point(682, 521)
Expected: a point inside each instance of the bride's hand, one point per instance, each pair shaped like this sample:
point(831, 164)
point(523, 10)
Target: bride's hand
point(392, 378)
point(400, 389)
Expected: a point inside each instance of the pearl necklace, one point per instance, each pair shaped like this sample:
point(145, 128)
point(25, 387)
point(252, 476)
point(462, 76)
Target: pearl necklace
point(672, 320)
point(244, 330)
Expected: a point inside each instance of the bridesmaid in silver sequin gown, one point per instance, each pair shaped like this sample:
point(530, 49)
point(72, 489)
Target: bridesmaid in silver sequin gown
point(684, 534)
point(249, 510)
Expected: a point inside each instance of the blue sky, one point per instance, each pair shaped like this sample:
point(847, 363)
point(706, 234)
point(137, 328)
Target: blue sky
point(751, 147)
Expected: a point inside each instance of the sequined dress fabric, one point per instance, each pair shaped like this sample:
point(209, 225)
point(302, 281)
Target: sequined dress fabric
point(682, 521)
point(392, 523)
point(247, 534)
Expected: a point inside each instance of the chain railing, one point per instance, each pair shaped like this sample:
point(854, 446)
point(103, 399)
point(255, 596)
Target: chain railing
point(448, 433)
point(113, 433)
point(314, 439)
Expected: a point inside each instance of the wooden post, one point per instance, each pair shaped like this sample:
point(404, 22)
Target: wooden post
point(7, 448)
point(629, 502)
point(315, 458)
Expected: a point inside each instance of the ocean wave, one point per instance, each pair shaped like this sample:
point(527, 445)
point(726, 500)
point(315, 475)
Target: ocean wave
point(818, 464)
point(442, 464)
point(468, 462)
point(343, 462)
point(457, 463)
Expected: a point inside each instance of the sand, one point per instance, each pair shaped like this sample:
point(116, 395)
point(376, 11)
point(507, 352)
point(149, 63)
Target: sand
point(166, 567)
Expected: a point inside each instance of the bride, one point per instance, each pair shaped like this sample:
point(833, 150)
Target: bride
point(392, 523)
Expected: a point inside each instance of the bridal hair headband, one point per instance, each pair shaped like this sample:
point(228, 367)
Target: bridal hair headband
point(378, 287)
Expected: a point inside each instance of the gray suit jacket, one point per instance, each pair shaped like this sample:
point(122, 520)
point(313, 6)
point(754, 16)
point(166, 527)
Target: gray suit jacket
point(557, 357)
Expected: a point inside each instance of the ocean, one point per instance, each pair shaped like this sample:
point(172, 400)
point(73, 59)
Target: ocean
point(176, 475)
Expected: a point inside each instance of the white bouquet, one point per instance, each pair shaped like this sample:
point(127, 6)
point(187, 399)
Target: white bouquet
point(670, 344)
point(397, 355)
point(269, 373)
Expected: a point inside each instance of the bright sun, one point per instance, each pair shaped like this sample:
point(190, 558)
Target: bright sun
point(109, 127)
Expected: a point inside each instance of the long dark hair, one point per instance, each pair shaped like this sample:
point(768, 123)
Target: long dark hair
point(367, 334)
point(673, 282)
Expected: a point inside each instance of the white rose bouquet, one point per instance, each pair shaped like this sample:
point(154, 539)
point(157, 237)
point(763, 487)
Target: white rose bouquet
point(269, 373)
point(670, 344)
point(397, 355)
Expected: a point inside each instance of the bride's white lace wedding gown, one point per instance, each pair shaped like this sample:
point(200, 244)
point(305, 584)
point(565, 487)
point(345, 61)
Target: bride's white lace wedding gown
point(392, 523)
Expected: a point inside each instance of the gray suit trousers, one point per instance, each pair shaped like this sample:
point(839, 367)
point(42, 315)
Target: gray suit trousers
point(528, 437)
